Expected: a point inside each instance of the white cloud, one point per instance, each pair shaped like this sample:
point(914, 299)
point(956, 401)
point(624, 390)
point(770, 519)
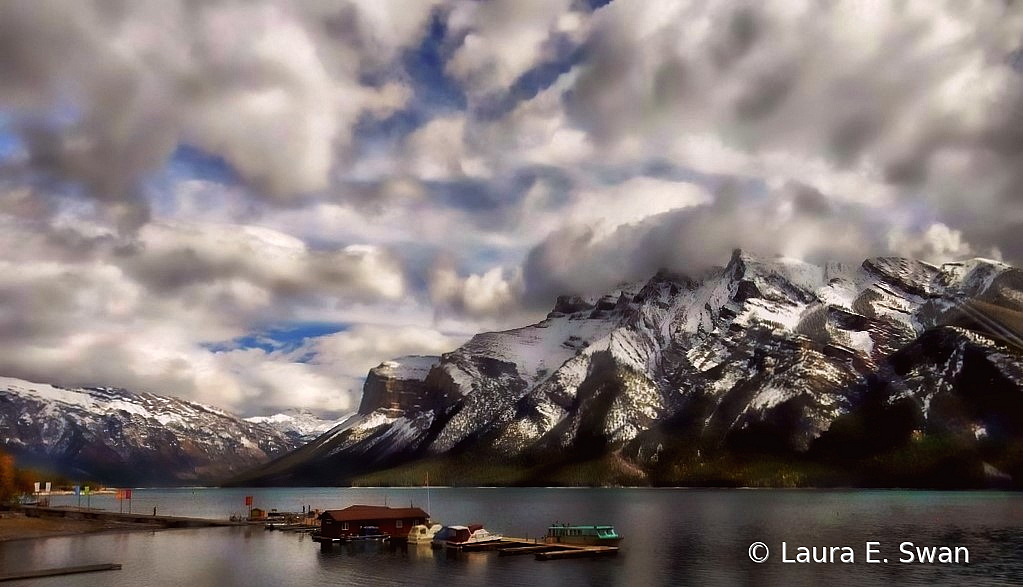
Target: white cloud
point(635, 199)
point(352, 353)
point(485, 295)
point(936, 244)
point(503, 39)
point(171, 256)
point(272, 87)
point(138, 316)
point(438, 151)
point(868, 103)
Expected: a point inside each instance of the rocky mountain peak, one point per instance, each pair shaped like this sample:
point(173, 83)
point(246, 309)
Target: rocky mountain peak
point(569, 305)
point(679, 375)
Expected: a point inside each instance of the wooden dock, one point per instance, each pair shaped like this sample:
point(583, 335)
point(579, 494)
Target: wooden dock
point(505, 542)
point(577, 552)
point(122, 518)
point(518, 550)
point(509, 546)
point(55, 572)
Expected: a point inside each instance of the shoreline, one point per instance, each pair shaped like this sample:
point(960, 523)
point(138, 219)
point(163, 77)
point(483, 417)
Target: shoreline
point(18, 526)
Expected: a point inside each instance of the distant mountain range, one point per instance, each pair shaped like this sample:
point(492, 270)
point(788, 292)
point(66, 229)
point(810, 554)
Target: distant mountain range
point(301, 426)
point(774, 372)
point(119, 437)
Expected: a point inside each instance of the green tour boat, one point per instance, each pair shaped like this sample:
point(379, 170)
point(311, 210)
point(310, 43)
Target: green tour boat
point(582, 535)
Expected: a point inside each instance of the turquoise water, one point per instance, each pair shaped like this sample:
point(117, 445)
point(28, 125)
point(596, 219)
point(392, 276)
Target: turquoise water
point(672, 537)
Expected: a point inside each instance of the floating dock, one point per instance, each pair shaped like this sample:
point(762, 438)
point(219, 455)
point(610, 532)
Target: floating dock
point(506, 546)
point(509, 546)
point(55, 572)
point(577, 552)
point(519, 550)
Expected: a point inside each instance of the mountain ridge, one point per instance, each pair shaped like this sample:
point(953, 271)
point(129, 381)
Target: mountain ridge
point(121, 437)
point(674, 380)
point(298, 424)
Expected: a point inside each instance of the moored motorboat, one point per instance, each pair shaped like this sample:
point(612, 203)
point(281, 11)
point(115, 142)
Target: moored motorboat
point(458, 537)
point(582, 535)
point(422, 533)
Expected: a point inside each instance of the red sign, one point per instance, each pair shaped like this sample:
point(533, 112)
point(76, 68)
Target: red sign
point(127, 494)
point(248, 500)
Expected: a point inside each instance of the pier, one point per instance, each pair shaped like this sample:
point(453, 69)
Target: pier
point(506, 546)
point(126, 519)
point(544, 551)
point(565, 551)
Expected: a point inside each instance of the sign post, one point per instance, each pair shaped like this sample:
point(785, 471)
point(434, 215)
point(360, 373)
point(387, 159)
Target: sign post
point(248, 502)
point(127, 495)
point(78, 494)
point(88, 497)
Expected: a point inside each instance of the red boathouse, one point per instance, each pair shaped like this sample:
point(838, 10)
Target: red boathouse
point(360, 520)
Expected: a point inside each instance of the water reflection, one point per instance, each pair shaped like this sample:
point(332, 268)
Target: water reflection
point(671, 537)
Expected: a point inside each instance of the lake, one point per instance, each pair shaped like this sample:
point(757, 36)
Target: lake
point(672, 537)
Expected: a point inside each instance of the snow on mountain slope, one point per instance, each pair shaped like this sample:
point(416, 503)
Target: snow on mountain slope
point(115, 435)
point(758, 353)
point(301, 425)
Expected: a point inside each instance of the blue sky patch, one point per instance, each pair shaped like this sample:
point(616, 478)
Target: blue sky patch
point(434, 93)
point(280, 338)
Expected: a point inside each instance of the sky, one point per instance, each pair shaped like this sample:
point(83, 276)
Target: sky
point(251, 203)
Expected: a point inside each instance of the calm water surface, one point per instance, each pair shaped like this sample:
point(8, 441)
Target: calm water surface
point(673, 537)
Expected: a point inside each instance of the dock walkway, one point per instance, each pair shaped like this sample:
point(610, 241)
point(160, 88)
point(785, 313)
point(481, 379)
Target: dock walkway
point(137, 519)
point(509, 546)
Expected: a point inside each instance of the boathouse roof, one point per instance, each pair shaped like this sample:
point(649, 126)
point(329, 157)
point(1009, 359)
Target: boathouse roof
point(356, 513)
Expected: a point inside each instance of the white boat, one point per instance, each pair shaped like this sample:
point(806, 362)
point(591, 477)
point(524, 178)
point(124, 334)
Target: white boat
point(463, 537)
point(421, 533)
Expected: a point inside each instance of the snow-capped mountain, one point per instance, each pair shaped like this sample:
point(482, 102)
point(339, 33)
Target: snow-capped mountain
point(300, 425)
point(836, 373)
point(116, 436)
